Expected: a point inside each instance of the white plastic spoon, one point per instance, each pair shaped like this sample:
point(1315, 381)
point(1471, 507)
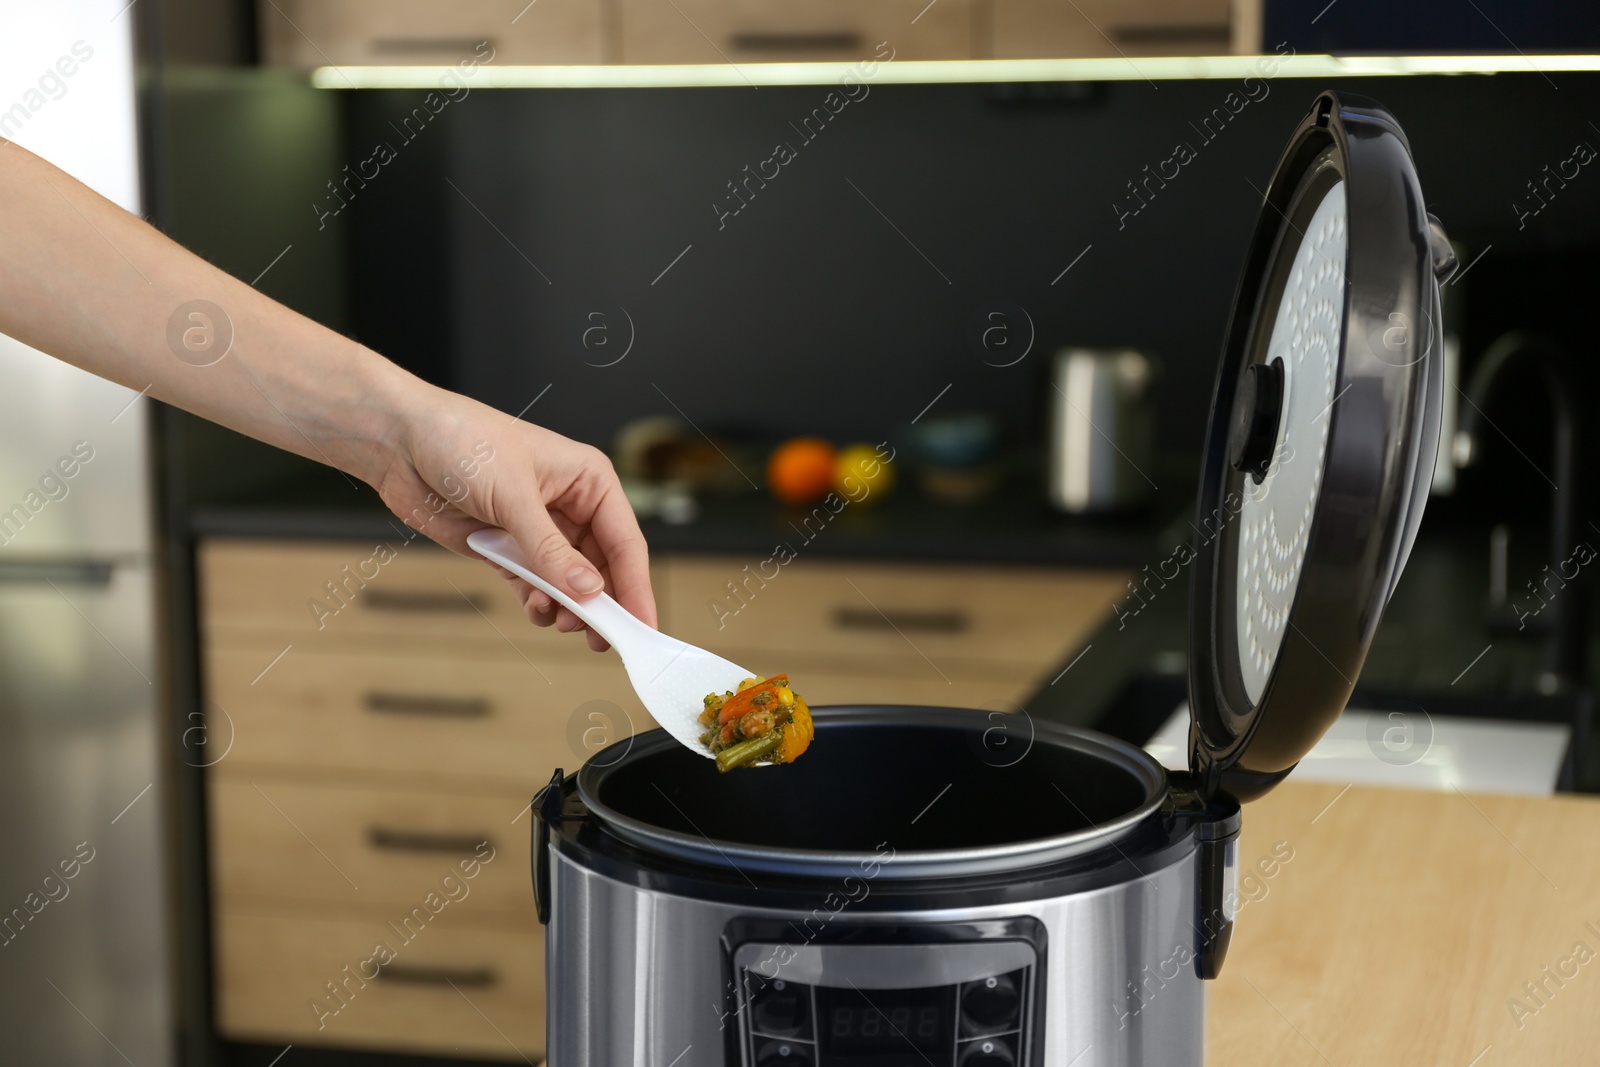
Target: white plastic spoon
point(671, 677)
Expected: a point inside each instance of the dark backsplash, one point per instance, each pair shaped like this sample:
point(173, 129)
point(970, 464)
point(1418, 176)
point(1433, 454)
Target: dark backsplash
point(843, 297)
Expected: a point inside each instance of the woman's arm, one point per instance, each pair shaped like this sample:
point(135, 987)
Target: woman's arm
point(91, 284)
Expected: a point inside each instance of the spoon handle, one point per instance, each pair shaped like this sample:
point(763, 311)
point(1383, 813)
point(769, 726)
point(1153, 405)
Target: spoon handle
point(601, 613)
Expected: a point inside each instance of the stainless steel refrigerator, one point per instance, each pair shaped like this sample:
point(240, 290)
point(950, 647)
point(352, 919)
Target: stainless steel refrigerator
point(84, 954)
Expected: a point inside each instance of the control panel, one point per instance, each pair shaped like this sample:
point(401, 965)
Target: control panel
point(944, 1004)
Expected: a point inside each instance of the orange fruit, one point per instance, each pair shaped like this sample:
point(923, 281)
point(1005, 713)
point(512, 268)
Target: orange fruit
point(801, 470)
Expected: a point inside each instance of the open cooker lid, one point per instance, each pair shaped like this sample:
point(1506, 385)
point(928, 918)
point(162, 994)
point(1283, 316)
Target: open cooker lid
point(1320, 450)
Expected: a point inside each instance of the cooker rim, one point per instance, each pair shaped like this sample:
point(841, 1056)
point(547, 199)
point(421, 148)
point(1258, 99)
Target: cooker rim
point(1139, 766)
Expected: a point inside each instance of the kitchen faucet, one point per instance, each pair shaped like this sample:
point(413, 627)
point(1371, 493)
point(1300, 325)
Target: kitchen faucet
point(1563, 665)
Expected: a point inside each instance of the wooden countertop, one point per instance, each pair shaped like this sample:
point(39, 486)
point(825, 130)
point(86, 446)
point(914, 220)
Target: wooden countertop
point(1403, 927)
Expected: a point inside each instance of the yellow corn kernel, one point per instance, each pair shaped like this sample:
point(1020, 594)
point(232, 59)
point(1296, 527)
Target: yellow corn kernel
point(786, 696)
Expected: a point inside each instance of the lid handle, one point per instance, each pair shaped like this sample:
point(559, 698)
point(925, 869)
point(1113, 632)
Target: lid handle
point(1257, 409)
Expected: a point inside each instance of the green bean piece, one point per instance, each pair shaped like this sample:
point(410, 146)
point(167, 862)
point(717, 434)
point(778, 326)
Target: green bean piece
point(747, 752)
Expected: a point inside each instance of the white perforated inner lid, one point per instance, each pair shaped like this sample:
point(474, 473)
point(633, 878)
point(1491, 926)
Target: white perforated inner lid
point(1275, 516)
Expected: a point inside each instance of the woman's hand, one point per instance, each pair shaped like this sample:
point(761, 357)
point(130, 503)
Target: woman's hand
point(458, 465)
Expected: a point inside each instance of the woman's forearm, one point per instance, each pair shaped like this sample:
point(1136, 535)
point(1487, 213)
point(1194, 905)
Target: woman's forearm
point(94, 285)
point(85, 281)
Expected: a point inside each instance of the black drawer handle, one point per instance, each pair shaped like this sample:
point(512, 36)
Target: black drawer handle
point(422, 974)
point(63, 572)
point(797, 41)
point(926, 622)
point(425, 840)
point(413, 601)
point(1195, 35)
point(422, 704)
point(412, 46)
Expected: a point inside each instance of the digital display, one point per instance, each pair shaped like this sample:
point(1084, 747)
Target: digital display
point(888, 1021)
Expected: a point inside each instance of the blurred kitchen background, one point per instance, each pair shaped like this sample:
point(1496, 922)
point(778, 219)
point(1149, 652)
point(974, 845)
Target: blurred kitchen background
point(1003, 276)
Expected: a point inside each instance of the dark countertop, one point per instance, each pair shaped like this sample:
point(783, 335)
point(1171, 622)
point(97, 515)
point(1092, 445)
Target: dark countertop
point(1006, 529)
point(1011, 527)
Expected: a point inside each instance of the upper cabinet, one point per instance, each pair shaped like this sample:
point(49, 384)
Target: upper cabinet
point(1052, 29)
point(789, 31)
point(319, 33)
point(337, 33)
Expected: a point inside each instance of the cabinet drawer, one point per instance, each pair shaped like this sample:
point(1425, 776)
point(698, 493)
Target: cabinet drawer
point(504, 722)
point(453, 989)
point(755, 31)
point(379, 590)
point(823, 682)
point(315, 33)
point(286, 840)
point(1039, 29)
point(920, 622)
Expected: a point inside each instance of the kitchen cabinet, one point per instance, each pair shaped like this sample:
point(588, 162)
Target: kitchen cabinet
point(298, 841)
point(896, 633)
point(765, 31)
point(426, 717)
point(376, 595)
point(1038, 29)
point(377, 716)
point(381, 715)
point(454, 989)
point(314, 33)
point(318, 33)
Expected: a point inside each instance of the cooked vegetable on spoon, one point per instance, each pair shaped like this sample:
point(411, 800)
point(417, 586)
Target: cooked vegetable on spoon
point(763, 721)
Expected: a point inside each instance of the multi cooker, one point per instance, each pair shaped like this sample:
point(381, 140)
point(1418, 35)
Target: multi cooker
point(952, 888)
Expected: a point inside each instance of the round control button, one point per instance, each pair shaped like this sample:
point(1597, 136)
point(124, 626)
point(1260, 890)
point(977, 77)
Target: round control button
point(994, 1052)
point(783, 1054)
point(782, 1009)
point(990, 1005)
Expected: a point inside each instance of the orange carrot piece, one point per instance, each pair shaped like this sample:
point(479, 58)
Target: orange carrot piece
point(742, 701)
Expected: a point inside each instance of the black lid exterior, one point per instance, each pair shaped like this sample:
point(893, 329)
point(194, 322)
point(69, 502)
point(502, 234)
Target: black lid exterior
point(1320, 449)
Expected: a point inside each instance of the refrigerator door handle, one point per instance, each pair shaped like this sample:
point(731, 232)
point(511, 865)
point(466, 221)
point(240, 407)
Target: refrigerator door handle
point(57, 572)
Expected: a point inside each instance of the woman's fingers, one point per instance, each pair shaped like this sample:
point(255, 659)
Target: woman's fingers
point(539, 608)
point(616, 532)
point(561, 502)
point(550, 554)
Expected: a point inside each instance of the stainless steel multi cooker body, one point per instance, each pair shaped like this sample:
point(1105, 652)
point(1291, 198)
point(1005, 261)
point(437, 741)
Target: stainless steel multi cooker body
point(928, 885)
point(952, 888)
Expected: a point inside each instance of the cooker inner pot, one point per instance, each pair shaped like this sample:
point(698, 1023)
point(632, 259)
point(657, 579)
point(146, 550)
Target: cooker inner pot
point(928, 780)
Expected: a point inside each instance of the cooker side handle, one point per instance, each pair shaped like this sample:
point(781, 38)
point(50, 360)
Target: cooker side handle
point(1213, 817)
point(1217, 896)
point(546, 806)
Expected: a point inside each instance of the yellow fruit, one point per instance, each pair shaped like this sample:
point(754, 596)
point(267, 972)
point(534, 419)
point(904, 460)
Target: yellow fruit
point(801, 470)
point(861, 475)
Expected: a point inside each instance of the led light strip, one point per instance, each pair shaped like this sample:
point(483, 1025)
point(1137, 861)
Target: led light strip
point(1163, 68)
